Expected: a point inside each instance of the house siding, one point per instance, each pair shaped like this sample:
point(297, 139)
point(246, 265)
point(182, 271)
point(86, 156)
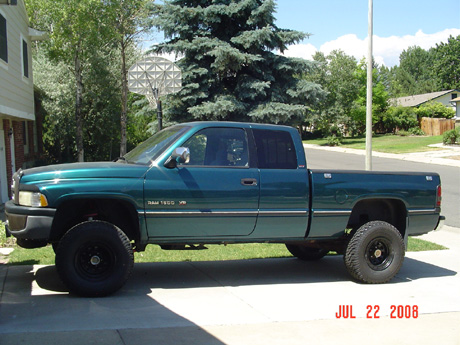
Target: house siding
point(17, 92)
point(17, 103)
point(446, 99)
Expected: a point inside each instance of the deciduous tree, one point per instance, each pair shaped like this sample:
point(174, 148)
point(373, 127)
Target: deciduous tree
point(414, 75)
point(75, 28)
point(446, 66)
point(336, 74)
point(129, 19)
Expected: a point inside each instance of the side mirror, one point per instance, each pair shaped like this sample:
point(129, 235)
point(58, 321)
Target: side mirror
point(180, 155)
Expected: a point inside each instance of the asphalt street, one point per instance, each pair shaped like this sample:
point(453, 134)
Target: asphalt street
point(450, 175)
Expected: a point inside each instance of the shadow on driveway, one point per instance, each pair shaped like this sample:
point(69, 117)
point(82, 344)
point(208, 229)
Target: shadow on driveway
point(161, 296)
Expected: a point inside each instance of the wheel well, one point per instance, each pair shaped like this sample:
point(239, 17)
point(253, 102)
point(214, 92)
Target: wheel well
point(117, 212)
point(392, 211)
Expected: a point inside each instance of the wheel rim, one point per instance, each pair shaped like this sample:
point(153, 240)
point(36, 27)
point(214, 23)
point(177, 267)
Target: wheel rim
point(94, 261)
point(379, 254)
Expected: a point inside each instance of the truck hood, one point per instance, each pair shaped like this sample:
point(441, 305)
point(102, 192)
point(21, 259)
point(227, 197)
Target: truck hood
point(84, 171)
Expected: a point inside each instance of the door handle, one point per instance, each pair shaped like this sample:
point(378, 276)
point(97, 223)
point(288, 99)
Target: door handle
point(249, 182)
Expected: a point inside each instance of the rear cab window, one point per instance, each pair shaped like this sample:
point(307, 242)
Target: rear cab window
point(275, 149)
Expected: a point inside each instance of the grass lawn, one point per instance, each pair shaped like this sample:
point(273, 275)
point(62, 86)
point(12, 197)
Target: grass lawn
point(45, 256)
point(387, 143)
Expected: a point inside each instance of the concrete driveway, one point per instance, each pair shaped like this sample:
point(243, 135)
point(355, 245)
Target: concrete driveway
point(271, 301)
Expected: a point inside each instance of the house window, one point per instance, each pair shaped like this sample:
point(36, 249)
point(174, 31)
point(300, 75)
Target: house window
point(3, 39)
point(25, 59)
point(24, 132)
point(454, 95)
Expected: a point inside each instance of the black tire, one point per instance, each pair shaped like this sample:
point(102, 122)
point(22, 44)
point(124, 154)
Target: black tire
point(306, 253)
point(94, 259)
point(375, 253)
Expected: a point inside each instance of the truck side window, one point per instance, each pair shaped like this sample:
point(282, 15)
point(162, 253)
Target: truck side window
point(275, 149)
point(226, 147)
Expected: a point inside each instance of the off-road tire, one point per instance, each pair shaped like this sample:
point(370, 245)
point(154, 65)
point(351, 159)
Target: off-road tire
point(306, 253)
point(94, 259)
point(375, 253)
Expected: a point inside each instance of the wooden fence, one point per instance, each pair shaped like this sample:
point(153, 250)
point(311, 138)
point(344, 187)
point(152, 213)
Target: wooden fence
point(433, 126)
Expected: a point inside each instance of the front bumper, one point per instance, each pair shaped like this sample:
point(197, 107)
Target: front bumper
point(28, 222)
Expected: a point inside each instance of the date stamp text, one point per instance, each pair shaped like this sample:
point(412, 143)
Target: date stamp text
point(374, 312)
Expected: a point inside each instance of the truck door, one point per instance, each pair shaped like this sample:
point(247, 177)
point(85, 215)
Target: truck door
point(215, 194)
point(284, 185)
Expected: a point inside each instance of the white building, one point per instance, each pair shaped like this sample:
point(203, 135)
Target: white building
point(18, 129)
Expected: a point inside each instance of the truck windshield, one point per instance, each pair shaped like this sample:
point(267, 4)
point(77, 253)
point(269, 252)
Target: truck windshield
point(153, 147)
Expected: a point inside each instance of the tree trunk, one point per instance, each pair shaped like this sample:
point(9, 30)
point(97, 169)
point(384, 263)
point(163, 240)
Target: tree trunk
point(124, 99)
point(78, 110)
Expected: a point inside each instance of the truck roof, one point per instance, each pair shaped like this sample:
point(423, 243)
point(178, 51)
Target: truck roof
point(204, 124)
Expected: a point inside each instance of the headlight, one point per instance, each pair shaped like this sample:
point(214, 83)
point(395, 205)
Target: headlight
point(32, 199)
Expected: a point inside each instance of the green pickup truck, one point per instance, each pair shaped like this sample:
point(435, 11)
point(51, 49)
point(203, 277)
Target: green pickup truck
point(203, 183)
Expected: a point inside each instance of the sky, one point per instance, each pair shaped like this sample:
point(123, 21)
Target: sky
point(343, 24)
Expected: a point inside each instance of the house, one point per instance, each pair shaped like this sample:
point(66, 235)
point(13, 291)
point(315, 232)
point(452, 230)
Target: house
point(444, 97)
point(456, 103)
point(20, 133)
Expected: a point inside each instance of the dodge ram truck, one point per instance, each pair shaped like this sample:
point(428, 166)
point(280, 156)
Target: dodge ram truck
point(203, 183)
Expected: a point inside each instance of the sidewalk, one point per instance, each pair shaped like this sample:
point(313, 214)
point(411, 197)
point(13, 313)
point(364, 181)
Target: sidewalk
point(447, 155)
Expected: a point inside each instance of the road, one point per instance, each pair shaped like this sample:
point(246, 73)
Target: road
point(450, 176)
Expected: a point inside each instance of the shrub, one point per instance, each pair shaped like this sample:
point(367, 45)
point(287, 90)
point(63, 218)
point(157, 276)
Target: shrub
point(356, 123)
point(416, 131)
point(400, 118)
point(333, 140)
point(450, 137)
point(435, 109)
point(410, 132)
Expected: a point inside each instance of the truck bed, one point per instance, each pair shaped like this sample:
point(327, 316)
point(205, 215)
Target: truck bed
point(339, 198)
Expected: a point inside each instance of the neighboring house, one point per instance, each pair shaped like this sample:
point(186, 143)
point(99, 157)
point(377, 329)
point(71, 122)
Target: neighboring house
point(444, 97)
point(456, 103)
point(20, 133)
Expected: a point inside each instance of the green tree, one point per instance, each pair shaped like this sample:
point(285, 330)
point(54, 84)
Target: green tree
point(106, 58)
point(336, 74)
point(55, 82)
point(414, 75)
point(446, 65)
point(129, 19)
point(229, 66)
point(380, 97)
point(75, 29)
point(100, 133)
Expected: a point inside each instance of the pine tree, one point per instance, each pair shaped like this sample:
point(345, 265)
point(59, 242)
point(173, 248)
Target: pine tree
point(230, 66)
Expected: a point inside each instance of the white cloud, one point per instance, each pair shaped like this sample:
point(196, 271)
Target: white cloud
point(386, 49)
point(304, 51)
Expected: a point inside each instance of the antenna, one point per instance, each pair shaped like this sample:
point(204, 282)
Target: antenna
point(154, 77)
